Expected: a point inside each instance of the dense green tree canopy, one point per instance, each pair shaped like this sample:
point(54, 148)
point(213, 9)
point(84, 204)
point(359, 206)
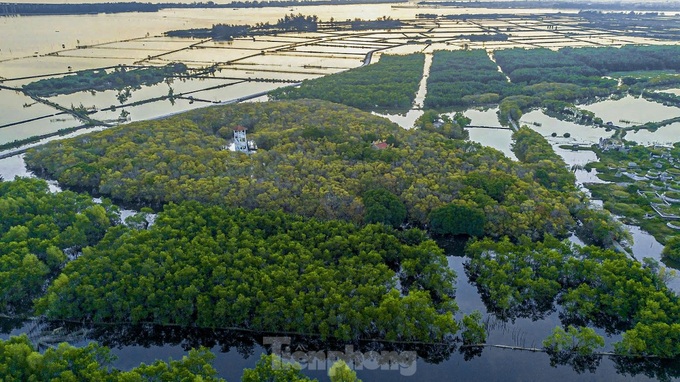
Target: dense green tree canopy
point(541, 77)
point(20, 361)
point(458, 219)
point(453, 128)
point(384, 207)
point(465, 78)
point(593, 286)
point(37, 229)
point(672, 249)
point(271, 368)
point(214, 267)
point(315, 159)
point(549, 168)
point(389, 84)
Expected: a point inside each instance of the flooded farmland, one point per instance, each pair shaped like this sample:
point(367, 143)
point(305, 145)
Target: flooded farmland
point(248, 68)
point(243, 67)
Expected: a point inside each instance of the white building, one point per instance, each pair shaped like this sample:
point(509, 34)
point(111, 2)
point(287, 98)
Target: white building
point(240, 139)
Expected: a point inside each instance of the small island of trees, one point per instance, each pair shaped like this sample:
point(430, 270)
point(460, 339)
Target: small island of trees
point(119, 78)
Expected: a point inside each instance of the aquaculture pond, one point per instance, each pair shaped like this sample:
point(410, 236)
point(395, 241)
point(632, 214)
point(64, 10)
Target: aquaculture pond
point(238, 350)
point(52, 49)
point(631, 110)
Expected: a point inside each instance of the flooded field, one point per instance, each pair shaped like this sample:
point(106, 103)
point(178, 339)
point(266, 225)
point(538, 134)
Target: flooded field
point(662, 136)
point(17, 107)
point(632, 111)
point(548, 126)
point(247, 68)
point(235, 351)
point(243, 67)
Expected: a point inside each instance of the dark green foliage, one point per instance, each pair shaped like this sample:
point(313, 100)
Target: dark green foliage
point(20, 361)
point(458, 219)
point(495, 185)
point(384, 207)
point(594, 286)
point(464, 78)
point(121, 77)
point(596, 226)
point(541, 77)
point(600, 228)
point(213, 267)
point(517, 280)
point(549, 168)
point(389, 84)
point(316, 159)
point(544, 65)
point(474, 331)
point(511, 108)
point(672, 249)
point(271, 368)
point(628, 57)
point(581, 340)
point(574, 347)
point(36, 228)
point(453, 128)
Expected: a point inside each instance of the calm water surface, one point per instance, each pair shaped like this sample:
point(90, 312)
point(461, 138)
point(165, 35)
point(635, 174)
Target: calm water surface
point(493, 364)
point(629, 108)
point(234, 353)
point(549, 125)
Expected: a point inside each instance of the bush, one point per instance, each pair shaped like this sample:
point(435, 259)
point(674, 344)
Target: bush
point(384, 207)
point(458, 219)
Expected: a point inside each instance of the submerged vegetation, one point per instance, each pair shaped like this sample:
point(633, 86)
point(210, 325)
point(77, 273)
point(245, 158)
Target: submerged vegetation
point(593, 286)
point(119, 78)
point(20, 360)
point(325, 231)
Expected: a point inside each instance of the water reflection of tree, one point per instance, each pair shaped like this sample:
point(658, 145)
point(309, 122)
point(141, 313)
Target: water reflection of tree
point(656, 368)
point(124, 95)
point(533, 308)
point(579, 362)
point(244, 342)
point(7, 325)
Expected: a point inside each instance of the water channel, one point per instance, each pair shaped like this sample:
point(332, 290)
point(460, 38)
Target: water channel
point(236, 351)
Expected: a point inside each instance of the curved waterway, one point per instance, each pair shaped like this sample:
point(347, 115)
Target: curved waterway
point(238, 350)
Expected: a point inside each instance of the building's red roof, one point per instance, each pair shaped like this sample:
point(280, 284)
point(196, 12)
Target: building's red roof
point(380, 145)
point(240, 128)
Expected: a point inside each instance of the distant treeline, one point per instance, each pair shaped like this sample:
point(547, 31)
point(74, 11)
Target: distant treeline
point(31, 9)
point(609, 6)
point(359, 24)
point(649, 24)
point(544, 77)
point(289, 23)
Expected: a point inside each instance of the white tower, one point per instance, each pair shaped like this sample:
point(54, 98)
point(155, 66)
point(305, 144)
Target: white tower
point(240, 140)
